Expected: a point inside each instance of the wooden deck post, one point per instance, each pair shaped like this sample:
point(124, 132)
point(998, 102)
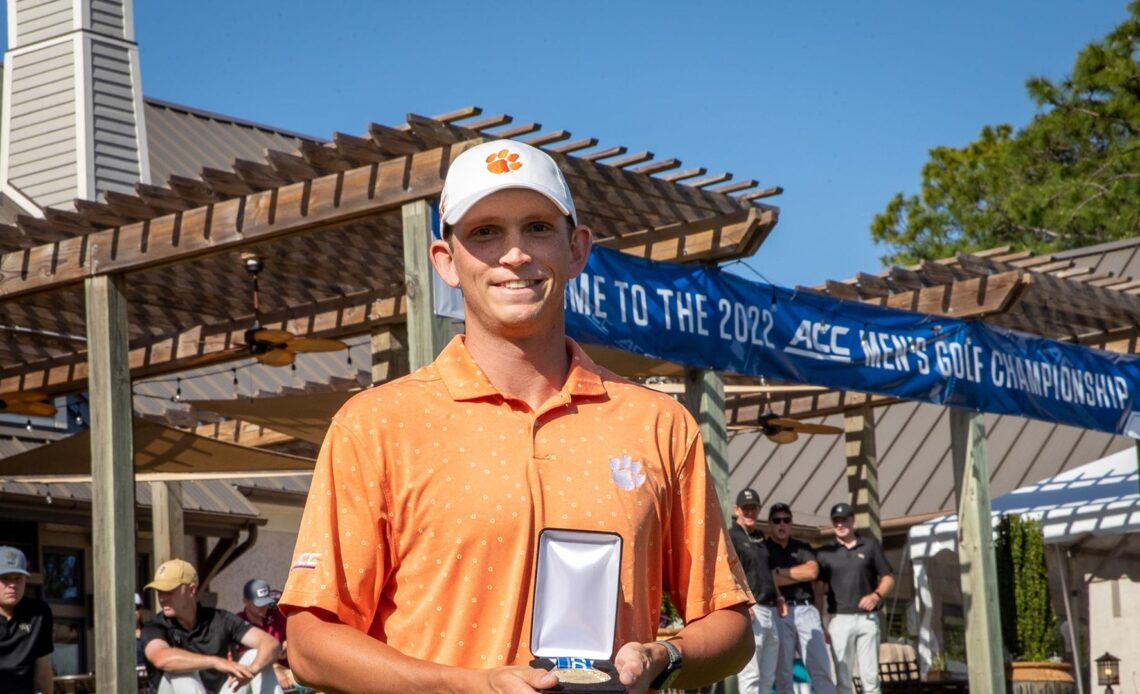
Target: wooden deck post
point(389, 345)
point(863, 470)
point(704, 396)
point(113, 485)
point(427, 332)
point(166, 515)
point(976, 552)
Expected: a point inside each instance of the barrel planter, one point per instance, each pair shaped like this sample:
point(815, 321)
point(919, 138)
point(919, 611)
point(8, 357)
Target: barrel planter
point(1040, 678)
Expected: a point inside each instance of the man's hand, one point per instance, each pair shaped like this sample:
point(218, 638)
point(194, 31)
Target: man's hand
point(635, 666)
point(869, 602)
point(516, 680)
point(239, 674)
point(283, 680)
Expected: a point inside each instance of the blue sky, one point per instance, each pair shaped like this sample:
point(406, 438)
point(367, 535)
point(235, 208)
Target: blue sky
point(838, 102)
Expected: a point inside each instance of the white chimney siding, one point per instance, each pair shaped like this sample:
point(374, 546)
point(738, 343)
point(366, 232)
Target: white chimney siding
point(72, 123)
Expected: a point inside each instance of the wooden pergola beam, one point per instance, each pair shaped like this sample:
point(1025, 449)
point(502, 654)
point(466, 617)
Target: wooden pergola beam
point(170, 353)
point(227, 225)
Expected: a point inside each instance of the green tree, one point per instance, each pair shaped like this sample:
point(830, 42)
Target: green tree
point(1069, 178)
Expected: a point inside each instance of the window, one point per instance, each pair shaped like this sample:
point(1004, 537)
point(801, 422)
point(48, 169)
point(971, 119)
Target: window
point(63, 575)
point(70, 655)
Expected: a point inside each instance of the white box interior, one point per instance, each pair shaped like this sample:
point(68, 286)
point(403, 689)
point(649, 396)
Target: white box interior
point(576, 594)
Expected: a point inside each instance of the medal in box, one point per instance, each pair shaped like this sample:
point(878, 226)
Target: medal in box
point(576, 591)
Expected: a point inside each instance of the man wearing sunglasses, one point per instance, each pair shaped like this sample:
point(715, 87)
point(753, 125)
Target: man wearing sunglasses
point(794, 567)
point(858, 575)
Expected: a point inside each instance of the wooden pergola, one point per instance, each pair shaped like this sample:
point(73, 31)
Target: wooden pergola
point(150, 283)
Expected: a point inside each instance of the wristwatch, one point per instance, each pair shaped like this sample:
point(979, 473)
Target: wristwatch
point(672, 668)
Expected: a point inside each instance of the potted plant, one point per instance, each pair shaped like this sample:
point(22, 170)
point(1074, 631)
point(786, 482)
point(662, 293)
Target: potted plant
point(1027, 618)
point(938, 671)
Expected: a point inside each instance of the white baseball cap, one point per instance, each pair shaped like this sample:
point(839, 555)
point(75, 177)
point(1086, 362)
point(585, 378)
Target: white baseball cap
point(13, 561)
point(495, 166)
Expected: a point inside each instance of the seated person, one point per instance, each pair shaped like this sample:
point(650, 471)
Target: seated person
point(260, 609)
point(188, 644)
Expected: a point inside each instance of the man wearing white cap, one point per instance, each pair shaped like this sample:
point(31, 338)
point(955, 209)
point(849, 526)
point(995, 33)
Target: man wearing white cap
point(415, 562)
point(188, 643)
point(25, 630)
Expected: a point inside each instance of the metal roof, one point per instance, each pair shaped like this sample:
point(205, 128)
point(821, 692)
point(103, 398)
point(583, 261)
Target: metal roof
point(182, 140)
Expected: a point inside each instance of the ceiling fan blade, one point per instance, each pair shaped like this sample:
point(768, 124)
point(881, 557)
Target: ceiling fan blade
point(266, 335)
point(276, 357)
point(225, 355)
point(24, 396)
point(33, 409)
point(783, 436)
point(782, 422)
point(316, 344)
point(806, 428)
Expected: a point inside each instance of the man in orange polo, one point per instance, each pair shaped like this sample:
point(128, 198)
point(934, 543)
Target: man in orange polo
point(414, 564)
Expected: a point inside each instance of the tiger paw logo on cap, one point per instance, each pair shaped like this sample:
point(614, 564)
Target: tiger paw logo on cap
point(503, 161)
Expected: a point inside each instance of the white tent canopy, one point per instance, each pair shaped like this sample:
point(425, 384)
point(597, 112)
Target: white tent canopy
point(1091, 506)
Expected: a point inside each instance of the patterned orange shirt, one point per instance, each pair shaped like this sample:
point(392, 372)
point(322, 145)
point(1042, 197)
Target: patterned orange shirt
point(429, 494)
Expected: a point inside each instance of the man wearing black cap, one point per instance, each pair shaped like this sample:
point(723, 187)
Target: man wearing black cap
point(858, 575)
point(260, 609)
point(760, 672)
point(794, 567)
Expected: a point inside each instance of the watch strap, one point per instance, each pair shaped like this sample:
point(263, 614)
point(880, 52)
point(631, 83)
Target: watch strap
point(672, 667)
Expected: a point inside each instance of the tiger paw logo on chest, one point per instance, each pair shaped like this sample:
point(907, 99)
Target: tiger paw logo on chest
point(503, 161)
point(627, 473)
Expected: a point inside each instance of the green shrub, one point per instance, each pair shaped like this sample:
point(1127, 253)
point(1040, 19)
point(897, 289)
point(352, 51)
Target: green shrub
point(1027, 618)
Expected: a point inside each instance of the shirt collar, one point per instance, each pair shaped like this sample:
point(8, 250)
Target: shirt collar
point(464, 379)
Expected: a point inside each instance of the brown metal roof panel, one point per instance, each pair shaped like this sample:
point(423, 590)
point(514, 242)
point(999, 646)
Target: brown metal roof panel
point(181, 141)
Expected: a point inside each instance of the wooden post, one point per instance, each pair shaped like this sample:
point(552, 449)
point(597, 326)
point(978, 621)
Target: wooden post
point(704, 396)
point(427, 332)
point(166, 516)
point(112, 483)
point(389, 353)
point(976, 552)
point(863, 470)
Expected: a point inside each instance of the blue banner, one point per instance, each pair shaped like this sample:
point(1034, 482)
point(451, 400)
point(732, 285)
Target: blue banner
point(715, 320)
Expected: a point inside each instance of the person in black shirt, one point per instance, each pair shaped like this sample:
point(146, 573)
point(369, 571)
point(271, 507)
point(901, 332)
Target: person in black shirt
point(188, 644)
point(25, 630)
point(858, 575)
point(794, 567)
point(760, 672)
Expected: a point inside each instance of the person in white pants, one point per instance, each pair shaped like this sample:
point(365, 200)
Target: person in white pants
point(191, 683)
point(794, 567)
point(760, 672)
point(187, 645)
point(858, 575)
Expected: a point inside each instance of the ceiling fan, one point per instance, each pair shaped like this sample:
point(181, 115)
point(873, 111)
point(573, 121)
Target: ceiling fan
point(269, 346)
point(783, 429)
point(32, 403)
point(787, 430)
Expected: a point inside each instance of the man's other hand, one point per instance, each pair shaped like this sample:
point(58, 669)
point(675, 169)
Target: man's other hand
point(516, 680)
point(240, 675)
point(634, 664)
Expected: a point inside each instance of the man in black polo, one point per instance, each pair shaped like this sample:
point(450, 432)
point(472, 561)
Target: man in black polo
point(188, 643)
point(760, 672)
point(794, 567)
point(25, 630)
point(858, 575)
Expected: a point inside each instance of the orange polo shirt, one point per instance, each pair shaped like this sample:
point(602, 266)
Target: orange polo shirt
point(423, 517)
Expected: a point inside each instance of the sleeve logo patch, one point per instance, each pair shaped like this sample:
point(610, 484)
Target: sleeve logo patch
point(308, 560)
